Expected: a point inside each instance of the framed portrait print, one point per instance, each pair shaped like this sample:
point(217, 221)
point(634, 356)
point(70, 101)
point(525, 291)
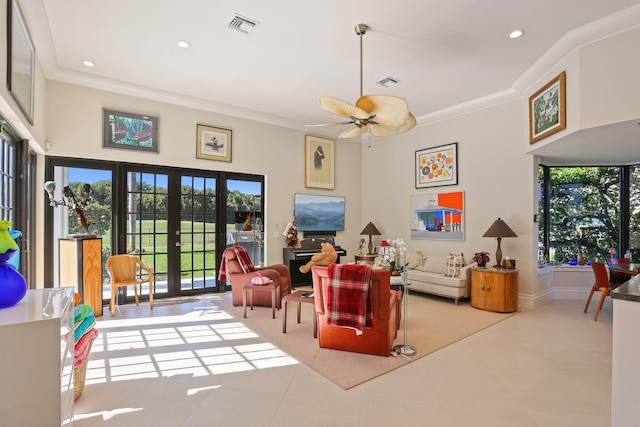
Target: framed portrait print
point(129, 131)
point(547, 109)
point(437, 166)
point(319, 162)
point(20, 60)
point(213, 143)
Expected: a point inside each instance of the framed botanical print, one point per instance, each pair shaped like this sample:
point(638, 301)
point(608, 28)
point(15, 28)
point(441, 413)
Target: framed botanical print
point(437, 166)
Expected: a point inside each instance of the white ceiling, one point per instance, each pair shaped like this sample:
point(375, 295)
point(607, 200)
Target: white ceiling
point(450, 56)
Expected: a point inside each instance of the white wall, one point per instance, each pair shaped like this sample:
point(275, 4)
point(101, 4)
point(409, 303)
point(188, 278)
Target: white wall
point(75, 130)
point(493, 172)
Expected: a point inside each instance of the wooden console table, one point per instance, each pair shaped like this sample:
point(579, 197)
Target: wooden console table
point(494, 289)
point(81, 267)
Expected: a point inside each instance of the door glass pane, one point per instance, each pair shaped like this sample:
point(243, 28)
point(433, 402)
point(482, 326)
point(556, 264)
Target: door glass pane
point(146, 225)
point(245, 219)
point(197, 232)
point(97, 212)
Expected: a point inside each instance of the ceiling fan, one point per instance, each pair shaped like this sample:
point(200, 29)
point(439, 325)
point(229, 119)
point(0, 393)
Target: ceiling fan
point(381, 115)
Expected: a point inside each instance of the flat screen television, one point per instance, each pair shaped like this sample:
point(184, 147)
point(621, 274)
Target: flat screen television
point(318, 213)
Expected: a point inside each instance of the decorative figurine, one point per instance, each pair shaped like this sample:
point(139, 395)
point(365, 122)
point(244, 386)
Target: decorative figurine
point(291, 234)
point(77, 206)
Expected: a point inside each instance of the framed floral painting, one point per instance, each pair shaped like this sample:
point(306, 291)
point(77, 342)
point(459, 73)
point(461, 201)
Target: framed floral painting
point(437, 166)
point(547, 109)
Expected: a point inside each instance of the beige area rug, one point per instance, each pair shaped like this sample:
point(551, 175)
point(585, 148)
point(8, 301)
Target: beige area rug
point(433, 323)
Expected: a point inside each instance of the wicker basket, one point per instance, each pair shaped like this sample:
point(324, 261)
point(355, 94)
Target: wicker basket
point(79, 375)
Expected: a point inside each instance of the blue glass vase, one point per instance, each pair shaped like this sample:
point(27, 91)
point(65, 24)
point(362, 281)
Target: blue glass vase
point(13, 287)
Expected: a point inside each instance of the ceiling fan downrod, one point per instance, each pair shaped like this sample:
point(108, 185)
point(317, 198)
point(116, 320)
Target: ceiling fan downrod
point(361, 29)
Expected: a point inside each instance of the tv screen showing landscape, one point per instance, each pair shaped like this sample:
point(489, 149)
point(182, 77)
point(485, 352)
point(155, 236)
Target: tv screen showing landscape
point(319, 213)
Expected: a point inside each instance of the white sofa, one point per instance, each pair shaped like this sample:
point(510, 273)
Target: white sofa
point(426, 273)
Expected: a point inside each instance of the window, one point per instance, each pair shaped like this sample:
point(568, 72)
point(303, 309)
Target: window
point(585, 210)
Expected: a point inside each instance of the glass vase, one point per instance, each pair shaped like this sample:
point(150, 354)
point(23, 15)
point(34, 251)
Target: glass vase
point(13, 287)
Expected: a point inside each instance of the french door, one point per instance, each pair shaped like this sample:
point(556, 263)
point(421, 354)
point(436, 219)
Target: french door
point(178, 221)
point(171, 224)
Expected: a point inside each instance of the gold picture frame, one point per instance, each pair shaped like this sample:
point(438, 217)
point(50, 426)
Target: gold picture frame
point(213, 143)
point(547, 109)
point(319, 162)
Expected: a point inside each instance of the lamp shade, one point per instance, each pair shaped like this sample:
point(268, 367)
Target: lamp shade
point(499, 229)
point(370, 230)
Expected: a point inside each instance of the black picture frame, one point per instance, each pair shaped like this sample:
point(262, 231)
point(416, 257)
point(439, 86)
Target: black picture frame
point(437, 166)
point(129, 131)
point(21, 60)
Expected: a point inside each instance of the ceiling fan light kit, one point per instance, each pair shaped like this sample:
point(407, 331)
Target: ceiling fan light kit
point(381, 115)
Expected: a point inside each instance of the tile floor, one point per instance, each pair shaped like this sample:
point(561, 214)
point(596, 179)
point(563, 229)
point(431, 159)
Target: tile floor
point(190, 364)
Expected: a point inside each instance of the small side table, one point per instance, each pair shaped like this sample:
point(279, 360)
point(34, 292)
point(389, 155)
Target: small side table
point(251, 288)
point(365, 259)
point(298, 298)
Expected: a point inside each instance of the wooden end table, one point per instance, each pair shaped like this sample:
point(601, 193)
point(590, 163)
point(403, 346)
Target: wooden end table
point(298, 298)
point(273, 287)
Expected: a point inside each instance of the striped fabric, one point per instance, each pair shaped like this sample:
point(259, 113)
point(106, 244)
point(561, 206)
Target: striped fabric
point(348, 299)
point(243, 260)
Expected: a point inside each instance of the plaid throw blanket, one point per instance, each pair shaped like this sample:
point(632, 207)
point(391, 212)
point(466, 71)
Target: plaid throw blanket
point(348, 300)
point(243, 260)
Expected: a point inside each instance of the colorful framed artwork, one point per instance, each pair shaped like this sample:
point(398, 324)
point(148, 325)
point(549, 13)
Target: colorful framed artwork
point(21, 60)
point(213, 143)
point(547, 109)
point(319, 162)
point(437, 166)
point(438, 216)
point(129, 131)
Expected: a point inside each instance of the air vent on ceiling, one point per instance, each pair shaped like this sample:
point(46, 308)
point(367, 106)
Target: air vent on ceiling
point(241, 23)
point(388, 81)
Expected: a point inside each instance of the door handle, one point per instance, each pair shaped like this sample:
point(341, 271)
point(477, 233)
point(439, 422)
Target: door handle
point(178, 244)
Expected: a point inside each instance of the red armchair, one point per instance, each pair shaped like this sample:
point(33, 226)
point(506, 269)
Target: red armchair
point(238, 270)
point(377, 340)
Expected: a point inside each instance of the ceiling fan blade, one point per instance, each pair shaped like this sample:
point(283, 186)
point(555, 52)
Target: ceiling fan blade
point(330, 124)
point(388, 110)
point(354, 131)
point(380, 130)
point(341, 108)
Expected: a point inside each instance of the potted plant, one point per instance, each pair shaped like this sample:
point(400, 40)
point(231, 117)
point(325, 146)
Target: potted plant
point(481, 258)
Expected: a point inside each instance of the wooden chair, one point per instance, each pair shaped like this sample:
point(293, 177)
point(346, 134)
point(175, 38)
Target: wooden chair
point(602, 284)
point(125, 270)
point(616, 276)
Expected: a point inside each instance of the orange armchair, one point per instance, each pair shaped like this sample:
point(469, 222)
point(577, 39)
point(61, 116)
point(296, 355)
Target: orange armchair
point(377, 340)
point(240, 272)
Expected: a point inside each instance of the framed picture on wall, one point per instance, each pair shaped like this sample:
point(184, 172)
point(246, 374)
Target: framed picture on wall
point(129, 131)
point(438, 216)
point(213, 143)
point(547, 109)
point(437, 166)
point(319, 162)
point(21, 59)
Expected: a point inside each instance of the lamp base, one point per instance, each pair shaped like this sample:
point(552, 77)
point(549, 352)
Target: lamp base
point(406, 350)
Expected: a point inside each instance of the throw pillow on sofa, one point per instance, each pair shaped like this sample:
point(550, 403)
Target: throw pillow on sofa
point(454, 263)
point(434, 264)
point(415, 260)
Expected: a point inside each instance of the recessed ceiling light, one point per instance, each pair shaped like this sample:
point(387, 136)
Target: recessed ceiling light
point(184, 44)
point(515, 34)
point(88, 63)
